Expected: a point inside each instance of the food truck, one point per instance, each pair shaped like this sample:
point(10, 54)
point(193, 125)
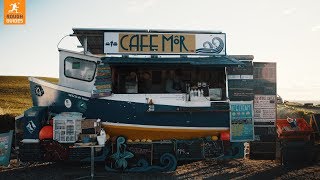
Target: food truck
point(160, 96)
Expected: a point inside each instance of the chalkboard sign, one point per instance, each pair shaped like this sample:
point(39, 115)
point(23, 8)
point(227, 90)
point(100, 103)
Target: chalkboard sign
point(246, 69)
point(240, 89)
point(212, 149)
point(189, 149)
point(264, 87)
point(5, 148)
point(198, 149)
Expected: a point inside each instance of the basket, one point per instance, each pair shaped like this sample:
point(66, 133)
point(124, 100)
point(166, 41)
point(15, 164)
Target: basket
point(286, 131)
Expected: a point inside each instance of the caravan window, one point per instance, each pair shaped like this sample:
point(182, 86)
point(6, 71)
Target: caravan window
point(79, 69)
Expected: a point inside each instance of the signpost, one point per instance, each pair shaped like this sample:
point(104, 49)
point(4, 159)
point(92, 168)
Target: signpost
point(241, 121)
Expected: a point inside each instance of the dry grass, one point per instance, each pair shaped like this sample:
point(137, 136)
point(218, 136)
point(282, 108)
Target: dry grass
point(15, 94)
point(295, 110)
point(207, 169)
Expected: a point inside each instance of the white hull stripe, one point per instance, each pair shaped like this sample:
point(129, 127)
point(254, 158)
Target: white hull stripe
point(60, 88)
point(165, 127)
point(160, 99)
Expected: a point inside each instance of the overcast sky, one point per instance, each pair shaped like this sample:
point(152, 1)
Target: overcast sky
point(282, 31)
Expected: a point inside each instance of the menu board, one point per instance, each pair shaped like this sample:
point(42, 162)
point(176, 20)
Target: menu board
point(265, 108)
point(240, 82)
point(5, 148)
point(264, 101)
point(240, 89)
point(241, 121)
point(265, 114)
point(246, 69)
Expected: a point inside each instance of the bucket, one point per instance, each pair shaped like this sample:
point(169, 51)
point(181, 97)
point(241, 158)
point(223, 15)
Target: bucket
point(101, 139)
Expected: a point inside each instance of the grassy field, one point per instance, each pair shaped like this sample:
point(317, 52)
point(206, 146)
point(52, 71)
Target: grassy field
point(15, 94)
point(15, 98)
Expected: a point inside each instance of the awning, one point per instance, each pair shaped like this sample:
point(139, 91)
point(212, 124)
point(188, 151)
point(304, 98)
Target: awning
point(223, 61)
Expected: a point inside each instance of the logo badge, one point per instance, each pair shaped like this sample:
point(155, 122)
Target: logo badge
point(111, 43)
point(14, 12)
point(38, 90)
point(31, 127)
point(68, 103)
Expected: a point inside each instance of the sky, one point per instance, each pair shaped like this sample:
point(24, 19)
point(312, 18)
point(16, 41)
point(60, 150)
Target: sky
point(283, 31)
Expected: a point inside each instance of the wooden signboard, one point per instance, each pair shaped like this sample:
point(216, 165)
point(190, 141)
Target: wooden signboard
point(164, 43)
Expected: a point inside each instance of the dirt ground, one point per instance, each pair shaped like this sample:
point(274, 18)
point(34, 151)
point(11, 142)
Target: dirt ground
point(210, 169)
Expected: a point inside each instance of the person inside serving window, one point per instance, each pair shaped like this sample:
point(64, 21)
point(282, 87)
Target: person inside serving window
point(131, 83)
point(145, 83)
point(174, 83)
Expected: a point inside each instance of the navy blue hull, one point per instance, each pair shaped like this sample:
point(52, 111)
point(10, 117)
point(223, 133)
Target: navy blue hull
point(131, 112)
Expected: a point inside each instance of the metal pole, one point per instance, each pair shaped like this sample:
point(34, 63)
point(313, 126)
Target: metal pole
point(85, 45)
point(92, 162)
point(227, 84)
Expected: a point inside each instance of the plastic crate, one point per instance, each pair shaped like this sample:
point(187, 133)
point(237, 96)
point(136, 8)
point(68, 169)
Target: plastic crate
point(286, 131)
point(30, 152)
point(67, 127)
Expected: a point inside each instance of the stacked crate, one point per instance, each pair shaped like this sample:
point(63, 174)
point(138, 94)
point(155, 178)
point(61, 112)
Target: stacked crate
point(67, 127)
point(295, 145)
point(265, 111)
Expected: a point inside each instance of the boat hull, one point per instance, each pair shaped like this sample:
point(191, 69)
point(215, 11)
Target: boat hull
point(133, 119)
point(140, 132)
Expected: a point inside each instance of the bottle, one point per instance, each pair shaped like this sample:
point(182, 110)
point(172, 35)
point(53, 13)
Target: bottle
point(201, 93)
point(191, 94)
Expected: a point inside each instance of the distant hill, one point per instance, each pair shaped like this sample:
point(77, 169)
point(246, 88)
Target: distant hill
point(15, 94)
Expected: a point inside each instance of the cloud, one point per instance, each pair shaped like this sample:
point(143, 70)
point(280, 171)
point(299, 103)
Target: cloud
point(289, 11)
point(315, 28)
